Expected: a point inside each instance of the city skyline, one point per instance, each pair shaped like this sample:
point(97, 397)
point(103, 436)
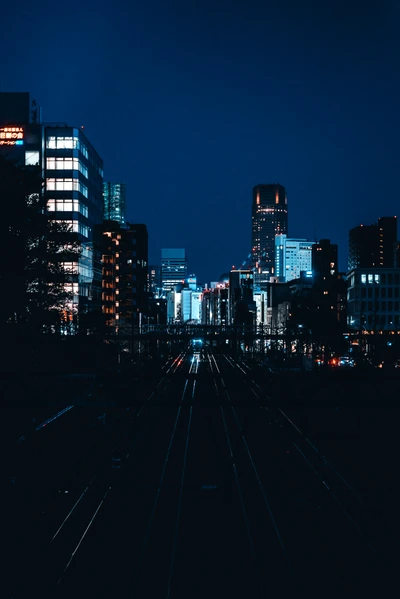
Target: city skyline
point(206, 105)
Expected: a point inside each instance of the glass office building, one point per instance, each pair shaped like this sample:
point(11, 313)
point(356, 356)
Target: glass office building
point(173, 267)
point(73, 186)
point(292, 257)
point(72, 171)
point(114, 201)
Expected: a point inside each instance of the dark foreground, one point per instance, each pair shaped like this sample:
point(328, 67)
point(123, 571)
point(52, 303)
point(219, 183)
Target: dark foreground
point(204, 478)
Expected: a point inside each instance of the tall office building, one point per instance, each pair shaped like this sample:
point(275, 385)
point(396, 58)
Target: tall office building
point(73, 177)
point(372, 246)
point(173, 267)
point(269, 218)
point(387, 226)
point(292, 257)
point(124, 278)
point(114, 201)
point(363, 247)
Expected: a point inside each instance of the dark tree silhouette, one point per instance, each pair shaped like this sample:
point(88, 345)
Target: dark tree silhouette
point(33, 280)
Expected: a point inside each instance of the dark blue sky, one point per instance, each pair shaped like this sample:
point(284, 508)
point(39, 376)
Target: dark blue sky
point(192, 103)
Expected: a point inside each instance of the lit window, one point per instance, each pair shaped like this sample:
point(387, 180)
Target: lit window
point(71, 223)
point(83, 230)
point(53, 163)
point(363, 279)
point(370, 278)
point(71, 267)
point(62, 143)
point(67, 206)
point(63, 184)
point(31, 158)
point(377, 278)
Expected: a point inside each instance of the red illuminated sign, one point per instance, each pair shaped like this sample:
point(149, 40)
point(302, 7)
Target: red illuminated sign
point(9, 136)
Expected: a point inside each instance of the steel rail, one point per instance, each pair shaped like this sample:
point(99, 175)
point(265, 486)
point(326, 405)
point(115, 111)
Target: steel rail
point(238, 485)
point(175, 539)
point(176, 364)
point(327, 486)
point(161, 481)
point(260, 485)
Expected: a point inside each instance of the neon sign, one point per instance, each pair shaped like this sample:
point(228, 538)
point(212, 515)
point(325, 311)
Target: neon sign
point(11, 136)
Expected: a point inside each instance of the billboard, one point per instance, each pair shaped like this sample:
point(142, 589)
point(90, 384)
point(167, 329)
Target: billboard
point(11, 136)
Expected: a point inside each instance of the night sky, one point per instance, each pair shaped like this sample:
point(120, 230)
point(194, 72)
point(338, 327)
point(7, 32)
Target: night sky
point(192, 103)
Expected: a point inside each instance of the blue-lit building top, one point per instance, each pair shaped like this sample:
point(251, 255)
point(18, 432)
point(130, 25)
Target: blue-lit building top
point(173, 267)
point(114, 201)
point(292, 257)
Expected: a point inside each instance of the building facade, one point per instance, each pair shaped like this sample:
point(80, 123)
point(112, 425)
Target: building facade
point(124, 252)
point(173, 267)
point(324, 260)
point(114, 201)
point(72, 171)
point(269, 218)
point(154, 281)
point(241, 302)
point(387, 226)
point(292, 257)
point(184, 304)
point(373, 299)
point(73, 188)
point(215, 304)
point(363, 247)
point(373, 245)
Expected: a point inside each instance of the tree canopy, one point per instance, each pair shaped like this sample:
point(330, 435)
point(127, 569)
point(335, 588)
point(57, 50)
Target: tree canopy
point(33, 279)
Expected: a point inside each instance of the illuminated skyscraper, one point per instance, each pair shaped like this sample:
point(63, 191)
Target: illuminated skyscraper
point(269, 218)
point(173, 267)
point(114, 201)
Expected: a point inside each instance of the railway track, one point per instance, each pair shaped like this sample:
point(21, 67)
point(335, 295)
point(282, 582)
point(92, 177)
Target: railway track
point(207, 487)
